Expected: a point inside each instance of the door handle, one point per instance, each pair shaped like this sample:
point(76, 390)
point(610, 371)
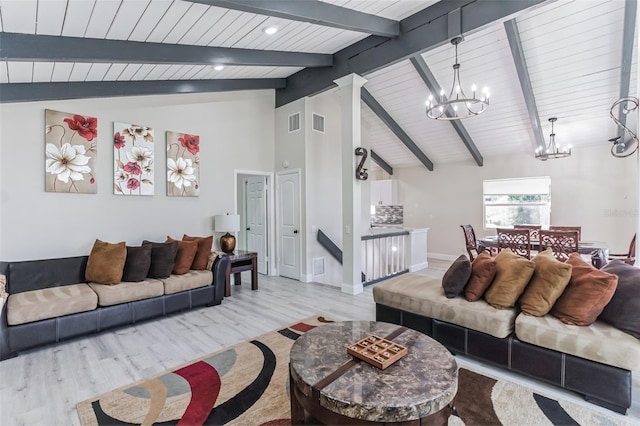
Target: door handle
point(295, 231)
point(248, 229)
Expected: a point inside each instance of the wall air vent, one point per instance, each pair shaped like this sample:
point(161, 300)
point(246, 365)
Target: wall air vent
point(294, 122)
point(318, 266)
point(318, 123)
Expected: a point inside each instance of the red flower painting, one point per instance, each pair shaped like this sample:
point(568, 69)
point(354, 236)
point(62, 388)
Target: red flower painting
point(133, 183)
point(86, 127)
point(118, 141)
point(132, 168)
point(191, 142)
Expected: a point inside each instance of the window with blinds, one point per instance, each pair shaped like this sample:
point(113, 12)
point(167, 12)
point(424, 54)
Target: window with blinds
point(508, 202)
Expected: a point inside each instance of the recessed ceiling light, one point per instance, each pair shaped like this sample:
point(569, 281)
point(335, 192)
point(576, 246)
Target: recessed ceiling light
point(270, 30)
point(218, 67)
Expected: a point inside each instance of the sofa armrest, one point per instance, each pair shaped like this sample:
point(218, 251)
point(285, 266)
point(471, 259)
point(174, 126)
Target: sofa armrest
point(219, 270)
point(5, 351)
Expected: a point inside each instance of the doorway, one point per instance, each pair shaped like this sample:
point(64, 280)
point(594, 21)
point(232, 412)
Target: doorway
point(255, 202)
point(255, 208)
point(289, 224)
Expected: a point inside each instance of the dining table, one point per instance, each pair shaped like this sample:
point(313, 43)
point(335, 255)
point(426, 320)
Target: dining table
point(584, 247)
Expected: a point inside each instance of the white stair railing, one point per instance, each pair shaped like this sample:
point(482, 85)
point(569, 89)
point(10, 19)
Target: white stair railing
point(383, 256)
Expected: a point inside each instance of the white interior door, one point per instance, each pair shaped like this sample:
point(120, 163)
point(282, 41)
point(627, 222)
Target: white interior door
point(256, 218)
point(289, 225)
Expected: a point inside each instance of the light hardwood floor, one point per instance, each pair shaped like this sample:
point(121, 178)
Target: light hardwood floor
point(42, 387)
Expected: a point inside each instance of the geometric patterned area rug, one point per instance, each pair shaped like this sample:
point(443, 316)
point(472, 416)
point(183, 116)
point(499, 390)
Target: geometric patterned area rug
point(248, 384)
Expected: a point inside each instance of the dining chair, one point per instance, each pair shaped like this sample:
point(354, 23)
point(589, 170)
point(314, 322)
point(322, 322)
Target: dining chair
point(630, 257)
point(518, 240)
point(533, 230)
point(567, 228)
point(471, 242)
point(563, 243)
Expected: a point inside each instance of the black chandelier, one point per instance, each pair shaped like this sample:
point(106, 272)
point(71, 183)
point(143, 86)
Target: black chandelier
point(458, 105)
point(552, 150)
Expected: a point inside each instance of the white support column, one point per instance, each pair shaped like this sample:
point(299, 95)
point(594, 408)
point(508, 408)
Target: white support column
point(351, 191)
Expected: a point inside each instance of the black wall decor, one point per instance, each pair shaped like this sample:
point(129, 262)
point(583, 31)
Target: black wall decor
point(361, 172)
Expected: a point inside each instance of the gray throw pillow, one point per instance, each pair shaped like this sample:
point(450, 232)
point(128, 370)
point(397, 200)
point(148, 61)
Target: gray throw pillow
point(163, 257)
point(456, 277)
point(138, 262)
point(622, 311)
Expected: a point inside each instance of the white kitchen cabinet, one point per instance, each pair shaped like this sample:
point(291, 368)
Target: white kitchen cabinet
point(384, 192)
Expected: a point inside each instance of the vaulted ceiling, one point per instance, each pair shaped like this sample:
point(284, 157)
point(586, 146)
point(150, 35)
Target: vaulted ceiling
point(569, 59)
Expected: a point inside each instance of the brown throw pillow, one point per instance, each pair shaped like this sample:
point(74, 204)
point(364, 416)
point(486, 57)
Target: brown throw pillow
point(456, 277)
point(185, 255)
point(587, 294)
point(513, 273)
point(106, 262)
point(483, 270)
point(549, 280)
point(203, 252)
point(623, 311)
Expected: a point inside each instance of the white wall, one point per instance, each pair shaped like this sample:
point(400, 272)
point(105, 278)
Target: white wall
point(236, 131)
point(590, 188)
point(324, 186)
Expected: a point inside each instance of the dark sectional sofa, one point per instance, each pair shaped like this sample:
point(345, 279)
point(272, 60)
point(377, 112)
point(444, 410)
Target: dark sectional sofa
point(556, 353)
point(27, 276)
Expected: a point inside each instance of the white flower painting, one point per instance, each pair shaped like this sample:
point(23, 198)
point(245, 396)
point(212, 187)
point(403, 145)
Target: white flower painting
point(183, 165)
point(133, 159)
point(71, 148)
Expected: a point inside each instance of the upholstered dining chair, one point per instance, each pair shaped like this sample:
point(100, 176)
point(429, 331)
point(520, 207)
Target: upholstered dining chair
point(471, 242)
point(563, 243)
point(533, 230)
point(567, 228)
point(630, 257)
point(518, 240)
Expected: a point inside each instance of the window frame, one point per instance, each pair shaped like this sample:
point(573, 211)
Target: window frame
point(517, 182)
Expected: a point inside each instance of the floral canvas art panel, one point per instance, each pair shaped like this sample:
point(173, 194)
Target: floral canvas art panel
point(183, 164)
point(133, 154)
point(71, 148)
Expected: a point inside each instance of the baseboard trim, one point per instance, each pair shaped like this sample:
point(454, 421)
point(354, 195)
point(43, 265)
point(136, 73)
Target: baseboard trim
point(352, 289)
point(418, 266)
point(306, 278)
point(442, 256)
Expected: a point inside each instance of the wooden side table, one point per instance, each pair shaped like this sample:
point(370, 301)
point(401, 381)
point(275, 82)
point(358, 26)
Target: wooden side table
point(241, 261)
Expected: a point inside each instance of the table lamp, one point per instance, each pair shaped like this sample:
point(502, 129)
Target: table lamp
point(227, 223)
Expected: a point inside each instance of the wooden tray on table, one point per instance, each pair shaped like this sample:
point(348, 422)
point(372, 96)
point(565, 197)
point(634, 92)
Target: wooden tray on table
point(377, 351)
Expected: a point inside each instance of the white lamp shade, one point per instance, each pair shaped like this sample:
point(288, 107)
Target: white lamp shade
point(227, 222)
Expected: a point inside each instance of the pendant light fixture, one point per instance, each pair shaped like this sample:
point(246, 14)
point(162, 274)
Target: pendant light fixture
point(552, 150)
point(458, 105)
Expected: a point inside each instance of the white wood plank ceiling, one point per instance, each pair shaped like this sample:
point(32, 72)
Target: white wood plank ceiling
point(173, 22)
point(573, 50)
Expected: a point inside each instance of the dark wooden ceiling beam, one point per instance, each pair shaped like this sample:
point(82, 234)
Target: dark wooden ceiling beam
point(27, 92)
point(395, 128)
point(43, 48)
point(380, 162)
point(630, 13)
point(517, 53)
point(315, 12)
point(420, 32)
point(430, 81)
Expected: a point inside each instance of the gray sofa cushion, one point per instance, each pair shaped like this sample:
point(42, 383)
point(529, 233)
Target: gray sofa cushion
point(598, 342)
point(127, 292)
point(424, 295)
point(190, 280)
point(36, 305)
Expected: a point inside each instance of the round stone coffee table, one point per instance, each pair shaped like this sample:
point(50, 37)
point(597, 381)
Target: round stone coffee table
point(336, 388)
